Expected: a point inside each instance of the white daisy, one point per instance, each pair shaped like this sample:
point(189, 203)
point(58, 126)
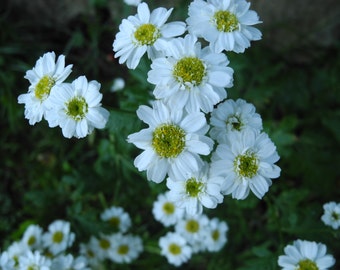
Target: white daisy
point(89, 251)
point(6, 263)
point(190, 77)
point(246, 162)
point(69, 262)
point(33, 236)
point(126, 248)
point(117, 217)
point(102, 245)
point(43, 77)
point(16, 249)
point(331, 215)
point(175, 248)
point(165, 211)
point(77, 108)
point(193, 229)
point(233, 116)
point(306, 255)
point(225, 24)
point(172, 143)
point(144, 32)
point(58, 237)
point(35, 260)
point(196, 190)
point(216, 236)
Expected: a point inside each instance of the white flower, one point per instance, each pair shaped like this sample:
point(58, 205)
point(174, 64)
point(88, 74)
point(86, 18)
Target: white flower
point(246, 162)
point(172, 143)
point(6, 263)
point(102, 245)
point(306, 255)
point(58, 237)
point(117, 217)
point(16, 249)
point(226, 24)
point(233, 116)
point(126, 248)
point(196, 190)
point(141, 33)
point(190, 77)
point(165, 211)
point(216, 236)
point(89, 251)
point(69, 262)
point(33, 236)
point(194, 229)
point(117, 85)
point(132, 2)
point(175, 248)
point(43, 77)
point(77, 108)
point(35, 260)
point(331, 215)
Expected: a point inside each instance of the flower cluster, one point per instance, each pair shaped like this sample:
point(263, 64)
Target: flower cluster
point(74, 107)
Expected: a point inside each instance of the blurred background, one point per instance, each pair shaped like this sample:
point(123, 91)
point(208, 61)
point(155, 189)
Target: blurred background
point(291, 76)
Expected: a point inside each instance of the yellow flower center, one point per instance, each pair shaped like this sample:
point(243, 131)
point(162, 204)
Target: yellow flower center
point(246, 165)
point(175, 249)
point(226, 21)
point(215, 235)
point(193, 187)
point(43, 87)
point(115, 222)
point(123, 249)
point(235, 122)
point(77, 108)
point(192, 226)
point(147, 34)
point(189, 70)
point(307, 265)
point(31, 241)
point(57, 237)
point(104, 243)
point(168, 140)
point(168, 208)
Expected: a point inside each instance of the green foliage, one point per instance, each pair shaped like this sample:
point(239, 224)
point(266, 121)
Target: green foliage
point(45, 176)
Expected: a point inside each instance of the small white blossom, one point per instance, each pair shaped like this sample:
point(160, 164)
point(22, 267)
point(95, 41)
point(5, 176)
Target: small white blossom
point(331, 215)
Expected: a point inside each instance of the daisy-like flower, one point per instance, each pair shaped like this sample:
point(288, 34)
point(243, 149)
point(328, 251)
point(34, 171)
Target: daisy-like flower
point(126, 248)
point(17, 249)
point(33, 236)
point(102, 245)
point(246, 162)
point(172, 143)
point(303, 255)
point(6, 263)
point(175, 248)
point(89, 251)
point(190, 77)
point(165, 211)
point(216, 236)
point(69, 262)
point(76, 108)
point(233, 116)
point(194, 229)
point(58, 237)
point(225, 24)
point(331, 215)
point(46, 74)
point(144, 32)
point(35, 260)
point(196, 190)
point(117, 217)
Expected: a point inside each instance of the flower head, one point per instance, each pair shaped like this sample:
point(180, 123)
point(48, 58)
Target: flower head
point(331, 215)
point(225, 24)
point(172, 143)
point(46, 74)
point(216, 235)
point(144, 32)
point(306, 255)
point(34, 260)
point(117, 217)
point(76, 108)
point(33, 236)
point(190, 77)
point(246, 162)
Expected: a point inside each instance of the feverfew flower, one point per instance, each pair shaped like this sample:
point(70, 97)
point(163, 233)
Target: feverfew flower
point(306, 255)
point(165, 211)
point(246, 162)
point(144, 32)
point(196, 190)
point(35, 260)
point(102, 245)
point(190, 77)
point(226, 24)
point(16, 249)
point(69, 262)
point(59, 237)
point(32, 236)
point(216, 235)
point(172, 143)
point(6, 263)
point(43, 77)
point(117, 217)
point(331, 215)
point(233, 116)
point(76, 108)
point(126, 248)
point(175, 248)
